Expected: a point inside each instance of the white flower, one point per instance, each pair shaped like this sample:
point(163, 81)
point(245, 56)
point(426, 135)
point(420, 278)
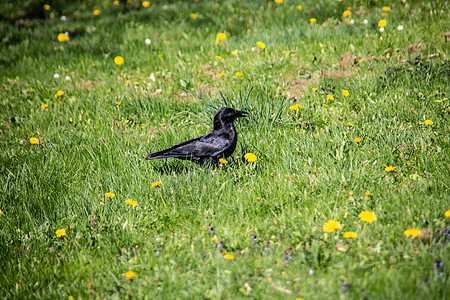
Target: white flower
point(311, 272)
point(381, 29)
point(253, 48)
point(365, 21)
point(152, 77)
point(63, 18)
point(68, 78)
point(148, 41)
point(56, 76)
point(400, 27)
point(352, 22)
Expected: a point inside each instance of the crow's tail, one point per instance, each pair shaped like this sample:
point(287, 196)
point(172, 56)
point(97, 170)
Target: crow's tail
point(158, 155)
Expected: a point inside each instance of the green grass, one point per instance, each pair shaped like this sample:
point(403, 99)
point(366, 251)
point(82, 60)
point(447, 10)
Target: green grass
point(268, 214)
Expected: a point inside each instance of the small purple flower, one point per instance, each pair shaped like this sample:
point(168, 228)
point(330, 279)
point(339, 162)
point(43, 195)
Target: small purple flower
point(211, 229)
point(346, 286)
point(438, 264)
point(157, 252)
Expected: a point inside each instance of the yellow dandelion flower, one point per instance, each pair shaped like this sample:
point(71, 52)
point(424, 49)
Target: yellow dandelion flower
point(382, 23)
point(44, 106)
point(47, 7)
point(221, 74)
point(350, 235)
point(386, 9)
point(330, 97)
point(96, 12)
point(118, 60)
point(345, 93)
point(34, 141)
point(258, 198)
point(412, 232)
point(60, 232)
point(357, 140)
point(250, 157)
point(260, 45)
point(70, 298)
point(299, 7)
point(235, 52)
point(130, 275)
point(118, 103)
point(346, 13)
point(145, 4)
point(110, 195)
point(103, 199)
point(213, 239)
point(239, 74)
point(447, 214)
point(361, 60)
point(331, 226)
point(278, 1)
point(116, 2)
point(1, 212)
point(312, 20)
point(218, 57)
point(314, 89)
point(367, 193)
point(350, 124)
point(59, 94)
point(217, 5)
point(428, 122)
point(389, 168)
point(230, 20)
point(156, 183)
point(295, 107)
point(131, 202)
point(223, 161)
point(228, 256)
point(62, 37)
point(367, 216)
point(193, 16)
point(221, 36)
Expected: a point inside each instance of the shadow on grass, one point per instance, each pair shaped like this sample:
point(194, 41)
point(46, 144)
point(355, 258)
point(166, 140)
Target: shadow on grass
point(170, 166)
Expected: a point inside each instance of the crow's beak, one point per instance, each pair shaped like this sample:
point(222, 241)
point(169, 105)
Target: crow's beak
point(241, 113)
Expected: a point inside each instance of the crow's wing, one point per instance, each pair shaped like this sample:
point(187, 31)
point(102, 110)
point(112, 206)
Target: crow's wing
point(209, 145)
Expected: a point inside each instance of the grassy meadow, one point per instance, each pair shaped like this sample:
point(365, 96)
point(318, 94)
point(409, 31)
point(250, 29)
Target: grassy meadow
point(349, 118)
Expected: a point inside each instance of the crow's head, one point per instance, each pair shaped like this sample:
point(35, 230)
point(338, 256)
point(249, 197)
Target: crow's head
point(227, 115)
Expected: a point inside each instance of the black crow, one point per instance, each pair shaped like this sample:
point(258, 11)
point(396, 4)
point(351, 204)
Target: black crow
point(218, 143)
